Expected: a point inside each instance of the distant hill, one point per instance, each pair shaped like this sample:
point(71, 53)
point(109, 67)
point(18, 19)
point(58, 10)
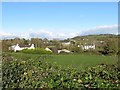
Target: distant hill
point(100, 36)
point(92, 38)
point(95, 37)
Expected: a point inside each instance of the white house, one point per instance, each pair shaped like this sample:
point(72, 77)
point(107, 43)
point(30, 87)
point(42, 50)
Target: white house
point(87, 47)
point(66, 43)
point(18, 48)
point(47, 49)
point(64, 50)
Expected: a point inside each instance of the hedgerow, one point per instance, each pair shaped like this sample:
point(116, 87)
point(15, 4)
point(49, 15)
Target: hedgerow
point(36, 73)
point(36, 51)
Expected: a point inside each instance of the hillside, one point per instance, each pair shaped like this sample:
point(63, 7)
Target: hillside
point(95, 37)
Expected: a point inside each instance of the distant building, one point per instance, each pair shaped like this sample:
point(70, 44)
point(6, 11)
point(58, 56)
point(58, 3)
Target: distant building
point(63, 50)
point(55, 50)
point(87, 47)
point(51, 49)
point(47, 49)
point(66, 43)
point(17, 47)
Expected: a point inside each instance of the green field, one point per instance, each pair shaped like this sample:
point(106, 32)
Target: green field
point(76, 61)
point(81, 61)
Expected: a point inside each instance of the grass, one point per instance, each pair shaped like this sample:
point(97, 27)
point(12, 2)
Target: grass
point(70, 60)
point(81, 61)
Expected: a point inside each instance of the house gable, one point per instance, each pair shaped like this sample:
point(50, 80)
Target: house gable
point(17, 47)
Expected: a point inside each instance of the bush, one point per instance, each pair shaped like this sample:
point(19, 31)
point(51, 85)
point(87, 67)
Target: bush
point(30, 73)
point(36, 51)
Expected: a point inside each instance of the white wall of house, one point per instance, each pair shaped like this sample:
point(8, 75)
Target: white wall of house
point(32, 47)
point(66, 43)
point(47, 49)
point(64, 50)
point(12, 47)
point(18, 48)
point(87, 47)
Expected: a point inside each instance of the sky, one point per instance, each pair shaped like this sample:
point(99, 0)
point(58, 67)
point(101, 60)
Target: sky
point(58, 19)
point(60, 0)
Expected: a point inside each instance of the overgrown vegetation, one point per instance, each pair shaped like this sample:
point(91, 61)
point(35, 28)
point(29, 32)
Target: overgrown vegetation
point(36, 51)
point(36, 73)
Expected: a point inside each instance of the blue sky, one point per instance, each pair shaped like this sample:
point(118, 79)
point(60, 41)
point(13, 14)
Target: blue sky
point(58, 19)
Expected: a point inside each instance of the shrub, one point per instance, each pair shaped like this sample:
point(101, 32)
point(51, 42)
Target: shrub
point(36, 51)
point(32, 73)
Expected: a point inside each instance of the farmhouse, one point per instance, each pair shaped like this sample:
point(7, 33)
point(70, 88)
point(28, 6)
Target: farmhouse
point(88, 46)
point(47, 49)
point(66, 43)
point(51, 49)
point(55, 50)
point(17, 47)
point(64, 50)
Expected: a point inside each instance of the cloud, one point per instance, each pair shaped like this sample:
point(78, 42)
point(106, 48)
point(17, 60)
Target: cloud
point(4, 35)
point(105, 29)
point(44, 33)
point(41, 34)
point(52, 35)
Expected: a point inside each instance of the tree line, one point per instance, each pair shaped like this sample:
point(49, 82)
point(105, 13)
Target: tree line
point(110, 46)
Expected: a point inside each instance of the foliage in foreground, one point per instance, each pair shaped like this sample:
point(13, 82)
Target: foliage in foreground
point(36, 73)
